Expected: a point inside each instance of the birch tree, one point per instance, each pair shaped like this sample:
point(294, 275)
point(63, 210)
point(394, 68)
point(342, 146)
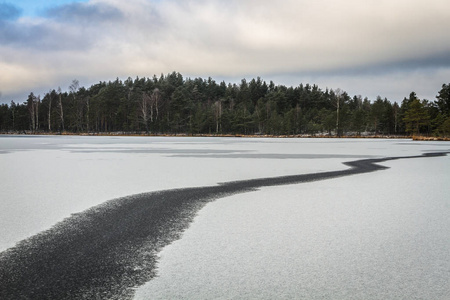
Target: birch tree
point(217, 113)
point(33, 109)
point(337, 103)
point(155, 98)
point(144, 109)
point(61, 112)
point(49, 112)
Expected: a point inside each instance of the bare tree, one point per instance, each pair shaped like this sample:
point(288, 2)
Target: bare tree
point(74, 87)
point(33, 109)
point(148, 105)
point(156, 96)
point(13, 110)
point(339, 96)
point(144, 109)
point(78, 104)
point(50, 96)
point(61, 112)
point(36, 107)
point(87, 113)
point(396, 115)
point(218, 113)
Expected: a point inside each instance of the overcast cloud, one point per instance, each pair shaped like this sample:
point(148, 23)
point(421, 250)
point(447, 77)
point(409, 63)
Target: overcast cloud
point(371, 47)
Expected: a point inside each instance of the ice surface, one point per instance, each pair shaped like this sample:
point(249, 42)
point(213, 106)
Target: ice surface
point(45, 179)
point(383, 235)
point(363, 235)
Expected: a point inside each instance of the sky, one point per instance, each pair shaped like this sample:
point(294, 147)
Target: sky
point(371, 48)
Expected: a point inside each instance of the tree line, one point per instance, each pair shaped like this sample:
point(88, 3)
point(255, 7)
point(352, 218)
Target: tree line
point(171, 104)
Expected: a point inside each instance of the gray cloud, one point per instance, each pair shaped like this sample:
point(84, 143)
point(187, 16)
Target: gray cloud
point(350, 44)
point(76, 26)
point(43, 37)
point(425, 63)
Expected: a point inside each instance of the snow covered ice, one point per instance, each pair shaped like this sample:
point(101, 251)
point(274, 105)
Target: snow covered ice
point(45, 179)
point(377, 235)
point(382, 235)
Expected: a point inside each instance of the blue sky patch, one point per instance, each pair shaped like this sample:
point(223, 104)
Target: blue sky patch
point(35, 8)
point(9, 11)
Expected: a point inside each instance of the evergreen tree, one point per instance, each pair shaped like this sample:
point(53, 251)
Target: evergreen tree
point(415, 117)
point(172, 104)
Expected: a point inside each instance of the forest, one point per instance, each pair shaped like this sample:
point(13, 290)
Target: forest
point(171, 104)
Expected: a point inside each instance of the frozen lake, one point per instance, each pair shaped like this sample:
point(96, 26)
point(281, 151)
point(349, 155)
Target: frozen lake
point(367, 236)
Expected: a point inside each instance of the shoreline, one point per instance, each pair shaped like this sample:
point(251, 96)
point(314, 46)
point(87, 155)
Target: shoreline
point(283, 136)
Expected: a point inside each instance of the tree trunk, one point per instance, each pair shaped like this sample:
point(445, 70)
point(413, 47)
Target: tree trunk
point(61, 112)
point(337, 117)
point(49, 111)
point(144, 110)
point(36, 107)
point(87, 115)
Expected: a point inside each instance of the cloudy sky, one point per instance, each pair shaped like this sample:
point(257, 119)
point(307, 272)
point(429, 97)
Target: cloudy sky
point(365, 47)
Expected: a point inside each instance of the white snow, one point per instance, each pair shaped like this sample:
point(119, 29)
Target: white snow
point(365, 236)
point(383, 235)
point(44, 179)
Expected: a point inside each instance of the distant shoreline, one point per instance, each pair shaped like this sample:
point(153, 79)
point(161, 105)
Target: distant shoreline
point(306, 136)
